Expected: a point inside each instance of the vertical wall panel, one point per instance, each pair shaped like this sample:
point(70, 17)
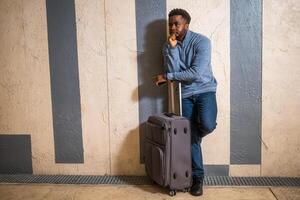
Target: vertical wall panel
point(245, 81)
point(65, 94)
point(150, 35)
point(13, 75)
point(91, 40)
point(281, 91)
point(123, 87)
point(37, 87)
point(25, 100)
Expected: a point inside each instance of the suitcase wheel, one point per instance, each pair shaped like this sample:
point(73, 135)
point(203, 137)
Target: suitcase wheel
point(172, 193)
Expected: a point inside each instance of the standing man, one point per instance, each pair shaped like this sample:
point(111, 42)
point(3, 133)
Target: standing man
point(187, 58)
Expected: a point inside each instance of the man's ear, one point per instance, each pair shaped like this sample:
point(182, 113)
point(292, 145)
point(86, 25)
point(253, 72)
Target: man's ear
point(186, 26)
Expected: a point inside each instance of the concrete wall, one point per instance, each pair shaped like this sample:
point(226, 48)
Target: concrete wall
point(112, 59)
point(281, 92)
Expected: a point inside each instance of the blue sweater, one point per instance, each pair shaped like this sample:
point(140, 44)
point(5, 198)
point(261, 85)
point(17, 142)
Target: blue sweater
point(190, 63)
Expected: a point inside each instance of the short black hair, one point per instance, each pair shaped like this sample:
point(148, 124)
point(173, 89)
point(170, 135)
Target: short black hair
point(182, 12)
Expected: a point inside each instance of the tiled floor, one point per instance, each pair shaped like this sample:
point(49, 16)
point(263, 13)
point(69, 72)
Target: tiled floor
point(147, 192)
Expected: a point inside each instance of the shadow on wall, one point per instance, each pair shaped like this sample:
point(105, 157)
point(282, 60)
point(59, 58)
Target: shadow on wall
point(127, 160)
point(152, 99)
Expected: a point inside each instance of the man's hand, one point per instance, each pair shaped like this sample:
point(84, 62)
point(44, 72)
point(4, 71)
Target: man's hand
point(172, 40)
point(159, 79)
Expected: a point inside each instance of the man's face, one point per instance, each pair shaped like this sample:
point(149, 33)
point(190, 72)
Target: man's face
point(178, 26)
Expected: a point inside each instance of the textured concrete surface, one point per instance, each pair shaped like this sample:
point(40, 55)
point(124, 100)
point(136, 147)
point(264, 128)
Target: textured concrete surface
point(25, 103)
point(286, 193)
point(93, 85)
point(244, 170)
point(123, 87)
point(111, 192)
point(281, 91)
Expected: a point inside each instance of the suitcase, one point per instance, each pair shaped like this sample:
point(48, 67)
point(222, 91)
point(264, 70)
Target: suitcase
point(168, 147)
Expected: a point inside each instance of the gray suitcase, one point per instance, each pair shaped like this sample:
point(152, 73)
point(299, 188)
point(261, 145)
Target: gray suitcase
point(168, 146)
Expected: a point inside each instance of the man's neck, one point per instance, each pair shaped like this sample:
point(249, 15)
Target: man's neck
point(182, 38)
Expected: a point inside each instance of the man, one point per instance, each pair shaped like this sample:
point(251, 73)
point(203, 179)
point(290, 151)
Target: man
point(187, 58)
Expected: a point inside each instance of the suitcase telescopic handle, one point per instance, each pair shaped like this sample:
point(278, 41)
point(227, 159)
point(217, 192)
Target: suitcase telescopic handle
point(174, 94)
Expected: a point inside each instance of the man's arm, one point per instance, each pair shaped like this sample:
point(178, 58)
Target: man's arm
point(171, 58)
point(199, 66)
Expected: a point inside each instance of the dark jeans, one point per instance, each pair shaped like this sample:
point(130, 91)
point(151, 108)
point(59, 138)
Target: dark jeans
point(201, 110)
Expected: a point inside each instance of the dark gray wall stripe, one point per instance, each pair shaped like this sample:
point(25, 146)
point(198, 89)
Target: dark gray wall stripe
point(151, 34)
point(216, 170)
point(65, 92)
point(246, 81)
point(15, 154)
